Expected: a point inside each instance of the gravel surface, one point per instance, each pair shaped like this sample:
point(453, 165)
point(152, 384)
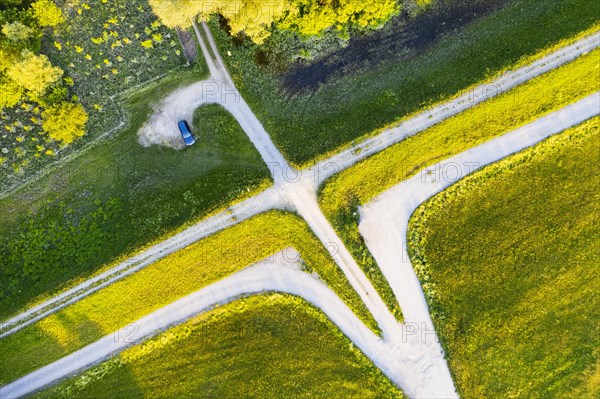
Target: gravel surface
point(412, 360)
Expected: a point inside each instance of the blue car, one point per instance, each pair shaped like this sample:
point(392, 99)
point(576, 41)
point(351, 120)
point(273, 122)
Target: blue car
point(186, 133)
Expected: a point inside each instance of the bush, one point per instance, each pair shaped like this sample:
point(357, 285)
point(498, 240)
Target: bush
point(65, 122)
point(10, 93)
point(47, 13)
point(35, 73)
point(16, 31)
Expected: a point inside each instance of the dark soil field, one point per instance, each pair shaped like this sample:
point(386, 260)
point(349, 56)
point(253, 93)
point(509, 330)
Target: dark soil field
point(404, 37)
point(188, 42)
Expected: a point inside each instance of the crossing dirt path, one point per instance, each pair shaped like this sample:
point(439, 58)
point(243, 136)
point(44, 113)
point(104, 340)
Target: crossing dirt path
point(412, 359)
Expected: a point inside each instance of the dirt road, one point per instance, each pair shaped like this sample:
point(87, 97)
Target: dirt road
point(384, 221)
point(420, 370)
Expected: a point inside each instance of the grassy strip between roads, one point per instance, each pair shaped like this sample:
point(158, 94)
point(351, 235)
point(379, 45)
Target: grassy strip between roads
point(341, 195)
point(165, 281)
point(509, 254)
point(308, 126)
point(118, 196)
point(272, 346)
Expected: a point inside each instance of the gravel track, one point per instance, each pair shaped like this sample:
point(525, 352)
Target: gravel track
point(408, 354)
point(417, 367)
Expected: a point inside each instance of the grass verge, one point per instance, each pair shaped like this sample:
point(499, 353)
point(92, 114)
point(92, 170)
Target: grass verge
point(223, 354)
point(513, 293)
point(165, 281)
point(340, 197)
point(118, 196)
point(307, 126)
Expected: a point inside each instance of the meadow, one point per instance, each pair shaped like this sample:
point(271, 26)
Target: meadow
point(510, 253)
point(179, 274)
point(116, 197)
point(341, 196)
point(119, 197)
point(310, 125)
point(307, 357)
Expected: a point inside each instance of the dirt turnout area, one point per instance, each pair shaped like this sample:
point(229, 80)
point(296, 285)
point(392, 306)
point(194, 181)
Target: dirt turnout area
point(161, 128)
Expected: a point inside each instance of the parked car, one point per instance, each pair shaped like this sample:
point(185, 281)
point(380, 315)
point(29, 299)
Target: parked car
point(186, 133)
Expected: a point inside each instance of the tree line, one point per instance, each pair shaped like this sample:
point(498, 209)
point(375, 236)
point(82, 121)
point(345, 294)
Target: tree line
point(256, 18)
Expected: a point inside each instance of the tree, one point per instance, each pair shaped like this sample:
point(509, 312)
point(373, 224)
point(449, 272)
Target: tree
point(34, 73)
point(177, 13)
point(10, 93)
point(16, 31)
point(47, 13)
point(252, 17)
point(65, 122)
point(313, 17)
point(7, 58)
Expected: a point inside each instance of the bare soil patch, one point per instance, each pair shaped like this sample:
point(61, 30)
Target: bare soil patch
point(401, 38)
point(190, 50)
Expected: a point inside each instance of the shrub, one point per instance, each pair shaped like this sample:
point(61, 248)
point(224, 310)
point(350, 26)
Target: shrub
point(10, 93)
point(65, 122)
point(34, 73)
point(16, 31)
point(47, 13)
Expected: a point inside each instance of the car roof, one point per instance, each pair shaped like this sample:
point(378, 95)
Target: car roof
point(184, 128)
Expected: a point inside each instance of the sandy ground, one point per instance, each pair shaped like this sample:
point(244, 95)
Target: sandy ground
point(304, 199)
point(161, 128)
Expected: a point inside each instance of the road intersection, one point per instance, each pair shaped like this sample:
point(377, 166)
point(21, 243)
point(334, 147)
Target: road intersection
point(417, 365)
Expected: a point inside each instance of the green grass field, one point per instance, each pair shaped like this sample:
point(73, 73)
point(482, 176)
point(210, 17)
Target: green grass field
point(108, 193)
point(307, 126)
point(118, 196)
point(261, 347)
point(167, 280)
point(511, 251)
point(341, 195)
